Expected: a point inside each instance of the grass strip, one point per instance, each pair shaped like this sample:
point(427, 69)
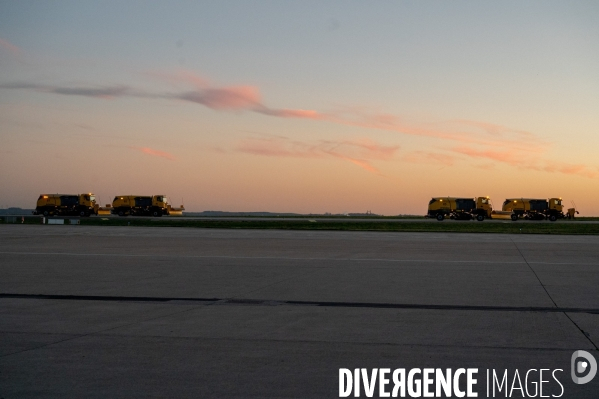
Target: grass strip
point(508, 227)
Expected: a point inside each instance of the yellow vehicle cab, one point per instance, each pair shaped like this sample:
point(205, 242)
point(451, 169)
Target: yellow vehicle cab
point(477, 208)
point(537, 209)
point(66, 205)
point(140, 205)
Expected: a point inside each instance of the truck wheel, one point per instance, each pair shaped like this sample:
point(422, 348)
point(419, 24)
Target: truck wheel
point(82, 213)
point(514, 217)
point(121, 213)
point(156, 213)
point(552, 218)
point(440, 217)
point(46, 213)
point(480, 217)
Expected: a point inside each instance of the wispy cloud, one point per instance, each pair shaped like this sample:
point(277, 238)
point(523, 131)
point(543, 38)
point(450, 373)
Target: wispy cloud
point(430, 157)
point(249, 98)
point(471, 139)
point(226, 98)
point(8, 46)
point(105, 92)
point(567, 169)
point(277, 147)
point(511, 157)
point(523, 160)
point(291, 113)
point(359, 152)
point(364, 164)
point(494, 129)
point(155, 153)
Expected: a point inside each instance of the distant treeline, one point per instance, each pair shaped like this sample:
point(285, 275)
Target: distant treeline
point(270, 214)
point(15, 211)
point(24, 211)
point(223, 213)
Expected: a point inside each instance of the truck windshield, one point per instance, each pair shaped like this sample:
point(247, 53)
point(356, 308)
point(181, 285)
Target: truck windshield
point(92, 198)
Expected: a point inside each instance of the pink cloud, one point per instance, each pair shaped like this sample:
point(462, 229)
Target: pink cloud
point(393, 123)
point(493, 129)
point(362, 119)
point(248, 98)
point(292, 113)
point(5, 44)
point(226, 98)
point(509, 157)
point(359, 152)
point(278, 148)
point(244, 97)
point(364, 164)
point(523, 160)
point(156, 153)
point(477, 139)
point(430, 157)
point(359, 162)
point(569, 169)
point(364, 148)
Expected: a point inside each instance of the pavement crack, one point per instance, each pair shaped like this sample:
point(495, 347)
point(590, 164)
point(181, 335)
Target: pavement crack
point(332, 304)
point(550, 297)
point(534, 272)
point(586, 335)
point(77, 336)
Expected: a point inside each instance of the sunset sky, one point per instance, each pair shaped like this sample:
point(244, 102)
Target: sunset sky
point(300, 106)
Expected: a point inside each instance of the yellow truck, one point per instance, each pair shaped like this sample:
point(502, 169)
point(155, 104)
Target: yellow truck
point(140, 205)
point(537, 209)
point(459, 208)
point(66, 205)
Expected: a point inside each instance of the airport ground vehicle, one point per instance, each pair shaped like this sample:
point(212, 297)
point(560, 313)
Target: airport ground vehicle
point(139, 205)
point(460, 208)
point(537, 209)
point(66, 204)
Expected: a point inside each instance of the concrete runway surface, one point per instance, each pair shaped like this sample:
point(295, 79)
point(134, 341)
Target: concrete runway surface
point(127, 312)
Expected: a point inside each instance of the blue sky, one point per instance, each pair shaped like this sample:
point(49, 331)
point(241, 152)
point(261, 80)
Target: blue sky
point(387, 83)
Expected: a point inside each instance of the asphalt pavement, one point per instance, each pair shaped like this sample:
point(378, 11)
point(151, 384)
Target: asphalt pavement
point(91, 311)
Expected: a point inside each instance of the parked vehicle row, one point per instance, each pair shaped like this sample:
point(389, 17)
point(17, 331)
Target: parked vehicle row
point(138, 205)
point(66, 204)
point(480, 208)
point(85, 205)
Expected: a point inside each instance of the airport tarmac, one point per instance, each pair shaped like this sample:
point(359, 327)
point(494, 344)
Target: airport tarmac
point(90, 311)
